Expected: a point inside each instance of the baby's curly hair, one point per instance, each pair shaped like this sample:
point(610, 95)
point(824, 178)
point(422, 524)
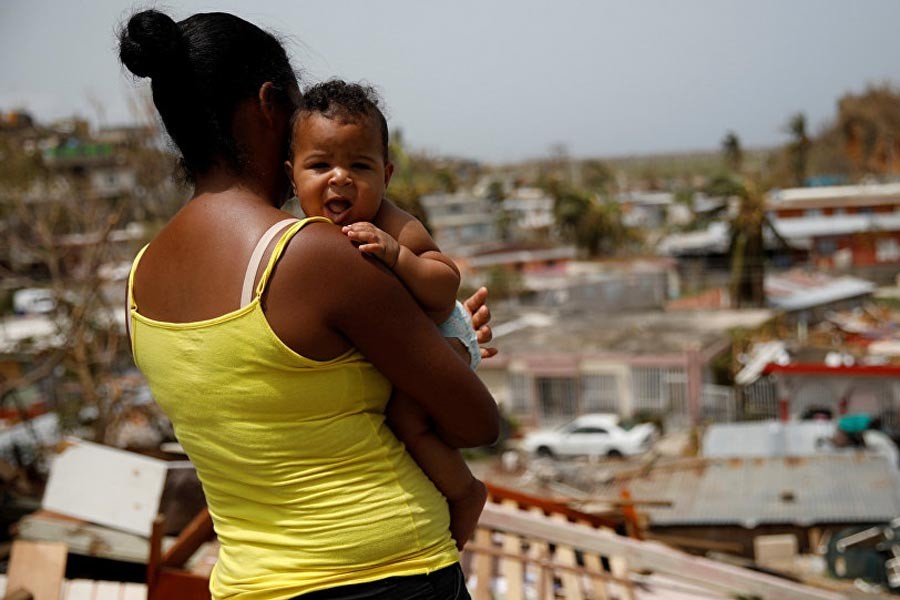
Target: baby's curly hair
point(351, 102)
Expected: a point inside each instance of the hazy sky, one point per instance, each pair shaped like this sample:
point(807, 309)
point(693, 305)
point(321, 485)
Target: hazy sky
point(502, 80)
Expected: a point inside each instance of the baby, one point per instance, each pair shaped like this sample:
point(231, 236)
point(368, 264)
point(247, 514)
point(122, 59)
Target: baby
point(340, 169)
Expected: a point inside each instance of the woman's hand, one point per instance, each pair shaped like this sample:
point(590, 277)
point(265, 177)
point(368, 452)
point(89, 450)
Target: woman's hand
point(481, 316)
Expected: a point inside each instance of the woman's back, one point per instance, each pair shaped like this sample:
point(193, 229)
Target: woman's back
point(307, 486)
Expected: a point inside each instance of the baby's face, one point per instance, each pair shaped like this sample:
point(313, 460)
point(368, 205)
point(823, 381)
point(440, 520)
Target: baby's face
point(338, 169)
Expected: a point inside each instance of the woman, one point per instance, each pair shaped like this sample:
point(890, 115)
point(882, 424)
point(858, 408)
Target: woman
point(277, 394)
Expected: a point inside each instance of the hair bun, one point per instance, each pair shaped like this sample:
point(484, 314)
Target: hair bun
point(150, 43)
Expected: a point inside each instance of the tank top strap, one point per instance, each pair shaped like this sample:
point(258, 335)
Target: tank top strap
point(280, 246)
point(134, 266)
point(132, 306)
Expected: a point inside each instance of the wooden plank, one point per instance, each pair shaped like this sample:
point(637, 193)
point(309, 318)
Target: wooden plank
point(596, 587)
point(39, 567)
point(545, 561)
point(106, 486)
point(107, 590)
point(153, 561)
point(650, 556)
point(527, 501)
point(692, 542)
point(79, 589)
point(134, 591)
point(540, 550)
point(199, 530)
point(618, 566)
point(203, 561)
point(565, 555)
point(483, 566)
point(513, 570)
point(178, 585)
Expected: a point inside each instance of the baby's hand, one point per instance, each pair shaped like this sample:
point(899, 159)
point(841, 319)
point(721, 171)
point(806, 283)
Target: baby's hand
point(374, 241)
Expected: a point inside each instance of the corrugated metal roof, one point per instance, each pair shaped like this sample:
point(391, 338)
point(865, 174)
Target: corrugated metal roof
point(780, 197)
point(765, 439)
point(751, 492)
point(797, 290)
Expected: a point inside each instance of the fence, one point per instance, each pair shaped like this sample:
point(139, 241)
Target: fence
point(718, 404)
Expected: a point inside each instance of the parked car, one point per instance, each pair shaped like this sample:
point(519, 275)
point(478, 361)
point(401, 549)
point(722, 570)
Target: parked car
point(592, 435)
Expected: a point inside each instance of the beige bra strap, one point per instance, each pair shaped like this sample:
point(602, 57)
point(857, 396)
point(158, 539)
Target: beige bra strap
point(256, 259)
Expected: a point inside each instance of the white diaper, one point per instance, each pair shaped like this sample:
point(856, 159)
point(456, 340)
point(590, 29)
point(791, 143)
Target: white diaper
point(459, 326)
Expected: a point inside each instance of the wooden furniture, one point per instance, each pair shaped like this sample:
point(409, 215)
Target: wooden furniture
point(167, 579)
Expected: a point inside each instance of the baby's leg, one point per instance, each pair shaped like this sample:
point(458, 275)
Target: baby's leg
point(443, 465)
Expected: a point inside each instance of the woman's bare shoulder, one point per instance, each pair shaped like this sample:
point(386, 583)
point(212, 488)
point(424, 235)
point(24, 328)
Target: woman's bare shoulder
point(320, 251)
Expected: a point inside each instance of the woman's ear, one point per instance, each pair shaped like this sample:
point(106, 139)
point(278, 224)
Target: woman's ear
point(267, 103)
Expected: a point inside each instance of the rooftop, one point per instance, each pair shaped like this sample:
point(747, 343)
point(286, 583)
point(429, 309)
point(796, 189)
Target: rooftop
point(806, 197)
point(635, 333)
point(803, 491)
point(799, 290)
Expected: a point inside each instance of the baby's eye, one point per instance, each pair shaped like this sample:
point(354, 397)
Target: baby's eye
point(319, 166)
point(361, 166)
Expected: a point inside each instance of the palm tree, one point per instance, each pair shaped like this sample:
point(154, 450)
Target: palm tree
point(747, 250)
point(798, 148)
point(732, 152)
point(747, 241)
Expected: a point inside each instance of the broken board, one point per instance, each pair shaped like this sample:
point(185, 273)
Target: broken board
point(103, 485)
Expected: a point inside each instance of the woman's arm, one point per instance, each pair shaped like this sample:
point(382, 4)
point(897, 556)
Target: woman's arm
point(362, 301)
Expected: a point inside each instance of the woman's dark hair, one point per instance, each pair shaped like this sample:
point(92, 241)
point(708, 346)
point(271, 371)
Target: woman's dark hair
point(337, 99)
point(201, 68)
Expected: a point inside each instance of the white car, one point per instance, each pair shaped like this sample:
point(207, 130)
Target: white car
point(591, 435)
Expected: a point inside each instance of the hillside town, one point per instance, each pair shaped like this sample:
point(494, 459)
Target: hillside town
point(698, 367)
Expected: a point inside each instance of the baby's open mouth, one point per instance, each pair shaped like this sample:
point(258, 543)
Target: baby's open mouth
point(335, 209)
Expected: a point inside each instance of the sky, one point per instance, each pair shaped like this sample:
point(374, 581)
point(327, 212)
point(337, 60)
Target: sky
point(506, 80)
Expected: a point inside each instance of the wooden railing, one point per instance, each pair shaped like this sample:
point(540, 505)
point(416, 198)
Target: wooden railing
point(578, 561)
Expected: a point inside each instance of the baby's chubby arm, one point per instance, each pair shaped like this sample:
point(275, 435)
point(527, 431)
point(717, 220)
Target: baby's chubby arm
point(431, 277)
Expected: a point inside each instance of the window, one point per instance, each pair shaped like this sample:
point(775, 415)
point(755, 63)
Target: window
point(826, 247)
point(659, 390)
point(521, 394)
point(600, 393)
point(557, 398)
point(887, 250)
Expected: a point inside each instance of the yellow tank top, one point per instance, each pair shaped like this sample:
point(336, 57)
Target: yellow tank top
point(307, 487)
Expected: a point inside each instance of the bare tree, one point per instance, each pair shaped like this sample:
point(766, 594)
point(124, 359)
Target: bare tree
point(68, 202)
